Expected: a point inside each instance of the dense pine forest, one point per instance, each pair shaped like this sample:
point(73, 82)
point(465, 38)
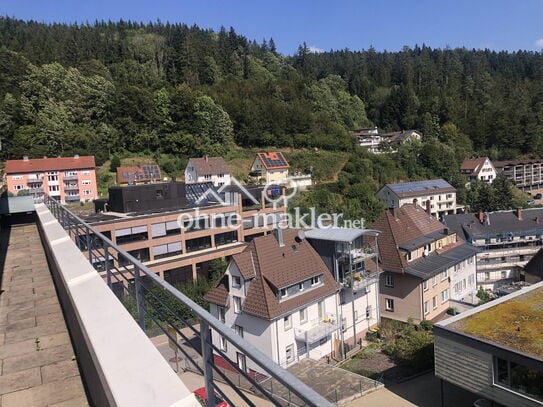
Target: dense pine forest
point(126, 87)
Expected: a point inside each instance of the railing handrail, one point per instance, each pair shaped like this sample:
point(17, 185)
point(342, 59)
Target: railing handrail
point(302, 390)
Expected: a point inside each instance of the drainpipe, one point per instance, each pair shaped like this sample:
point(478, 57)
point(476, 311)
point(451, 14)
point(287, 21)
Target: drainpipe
point(352, 290)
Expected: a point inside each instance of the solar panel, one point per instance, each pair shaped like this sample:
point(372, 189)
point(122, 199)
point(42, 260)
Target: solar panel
point(271, 160)
point(419, 185)
point(151, 171)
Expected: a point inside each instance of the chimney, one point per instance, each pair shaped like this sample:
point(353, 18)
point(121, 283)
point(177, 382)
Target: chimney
point(481, 216)
point(278, 232)
point(415, 202)
point(25, 158)
point(519, 213)
point(537, 220)
point(394, 211)
point(206, 158)
point(76, 156)
point(429, 207)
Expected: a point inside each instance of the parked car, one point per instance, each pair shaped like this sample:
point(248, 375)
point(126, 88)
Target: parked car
point(538, 196)
point(201, 395)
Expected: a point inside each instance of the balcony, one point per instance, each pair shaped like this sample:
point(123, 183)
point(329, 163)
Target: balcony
point(34, 191)
point(357, 255)
point(71, 187)
point(317, 329)
point(34, 180)
point(70, 178)
point(72, 198)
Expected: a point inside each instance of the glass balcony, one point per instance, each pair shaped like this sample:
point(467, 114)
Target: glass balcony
point(318, 328)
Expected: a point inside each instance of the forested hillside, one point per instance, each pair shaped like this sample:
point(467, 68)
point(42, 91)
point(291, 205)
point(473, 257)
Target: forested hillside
point(178, 91)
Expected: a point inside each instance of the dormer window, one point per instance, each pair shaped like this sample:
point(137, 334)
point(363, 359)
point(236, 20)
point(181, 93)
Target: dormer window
point(236, 281)
point(283, 293)
point(315, 280)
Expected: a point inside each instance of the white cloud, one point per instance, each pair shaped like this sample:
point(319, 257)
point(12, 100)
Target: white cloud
point(539, 43)
point(315, 50)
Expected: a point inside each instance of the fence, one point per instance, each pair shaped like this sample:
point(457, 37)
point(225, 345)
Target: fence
point(160, 307)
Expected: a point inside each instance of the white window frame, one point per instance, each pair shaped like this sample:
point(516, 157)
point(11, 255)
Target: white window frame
point(434, 302)
point(86, 182)
point(425, 285)
point(239, 330)
point(237, 304)
point(222, 314)
point(426, 308)
point(389, 280)
point(223, 343)
point(389, 304)
point(236, 281)
point(289, 353)
point(287, 322)
point(303, 316)
point(444, 295)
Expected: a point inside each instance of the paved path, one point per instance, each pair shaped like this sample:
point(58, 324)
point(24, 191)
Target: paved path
point(37, 364)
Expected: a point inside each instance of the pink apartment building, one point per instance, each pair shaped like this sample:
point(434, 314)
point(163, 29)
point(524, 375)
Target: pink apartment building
point(68, 179)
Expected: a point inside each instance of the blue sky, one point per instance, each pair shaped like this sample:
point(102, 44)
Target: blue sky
point(323, 24)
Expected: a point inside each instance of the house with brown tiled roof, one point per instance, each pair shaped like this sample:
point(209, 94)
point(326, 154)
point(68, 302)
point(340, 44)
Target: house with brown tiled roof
point(478, 169)
point(207, 169)
point(424, 264)
point(270, 168)
point(281, 297)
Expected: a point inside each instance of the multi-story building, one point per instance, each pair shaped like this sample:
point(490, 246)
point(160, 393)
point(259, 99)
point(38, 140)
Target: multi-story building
point(351, 256)
point(507, 240)
point(270, 168)
point(280, 296)
point(424, 265)
point(138, 174)
point(526, 174)
point(494, 350)
point(437, 196)
point(172, 230)
point(376, 142)
point(68, 179)
point(478, 169)
point(207, 169)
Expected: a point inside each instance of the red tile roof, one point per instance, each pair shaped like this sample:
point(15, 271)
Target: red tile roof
point(273, 160)
point(209, 165)
point(49, 164)
point(277, 267)
point(473, 165)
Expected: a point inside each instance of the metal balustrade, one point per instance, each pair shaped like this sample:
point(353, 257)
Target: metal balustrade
point(161, 308)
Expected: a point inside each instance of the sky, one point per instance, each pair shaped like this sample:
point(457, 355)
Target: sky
point(323, 25)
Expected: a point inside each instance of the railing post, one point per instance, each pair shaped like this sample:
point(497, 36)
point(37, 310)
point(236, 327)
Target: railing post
point(89, 249)
point(207, 357)
point(139, 297)
point(106, 263)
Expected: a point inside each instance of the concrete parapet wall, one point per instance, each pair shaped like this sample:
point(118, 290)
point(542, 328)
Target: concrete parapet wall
point(118, 363)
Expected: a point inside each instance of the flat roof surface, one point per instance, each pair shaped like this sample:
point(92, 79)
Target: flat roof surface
point(338, 234)
point(514, 321)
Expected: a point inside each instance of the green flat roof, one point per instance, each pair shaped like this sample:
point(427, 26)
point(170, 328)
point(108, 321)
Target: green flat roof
point(515, 322)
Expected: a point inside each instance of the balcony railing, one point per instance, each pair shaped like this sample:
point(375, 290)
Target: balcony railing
point(71, 198)
point(160, 308)
point(317, 329)
point(71, 187)
point(70, 177)
point(34, 180)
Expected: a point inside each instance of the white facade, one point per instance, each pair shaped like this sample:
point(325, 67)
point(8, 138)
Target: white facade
point(192, 176)
point(464, 281)
point(439, 203)
point(313, 330)
point(487, 172)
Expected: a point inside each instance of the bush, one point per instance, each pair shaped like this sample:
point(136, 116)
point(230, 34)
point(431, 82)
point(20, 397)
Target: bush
point(412, 353)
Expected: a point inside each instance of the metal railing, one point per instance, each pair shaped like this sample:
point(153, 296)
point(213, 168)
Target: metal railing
point(156, 304)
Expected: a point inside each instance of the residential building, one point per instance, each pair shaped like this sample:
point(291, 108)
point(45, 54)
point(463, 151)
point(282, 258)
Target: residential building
point(351, 256)
point(437, 196)
point(68, 179)
point(399, 138)
point(494, 350)
point(135, 175)
point(176, 229)
point(280, 296)
point(532, 272)
point(526, 174)
point(376, 142)
point(507, 240)
point(424, 265)
point(207, 169)
point(478, 169)
point(270, 168)
point(369, 139)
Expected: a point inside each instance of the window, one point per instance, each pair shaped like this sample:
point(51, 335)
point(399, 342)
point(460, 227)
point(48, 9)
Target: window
point(487, 275)
point(444, 274)
point(368, 312)
point(425, 285)
point(503, 274)
point(53, 188)
point(518, 378)
point(283, 293)
point(426, 308)
point(389, 280)
point(236, 281)
point(321, 309)
point(287, 322)
point(315, 280)
point(16, 177)
point(20, 187)
point(444, 295)
point(389, 304)
point(239, 330)
point(86, 172)
point(222, 314)
point(224, 343)
point(87, 192)
point(289, 353)
point(301, 287)
point(133, 234)
point(237, 304)
point(303, 315)
point(434, 280)
point(434, 302)
point(52, 178)
point(86, 182)
point(356, 315)
point(167, 250)
point(242, 364)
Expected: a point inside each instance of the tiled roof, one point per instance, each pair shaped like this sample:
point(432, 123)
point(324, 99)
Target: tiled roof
point(273, 160)
point(407, 227)
point(209, 165)
point(408, 189)
point(219, 294)
point(49, 164)
point(278, 267)
point(245, 263)
point(474, 165)
point(502, 164)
